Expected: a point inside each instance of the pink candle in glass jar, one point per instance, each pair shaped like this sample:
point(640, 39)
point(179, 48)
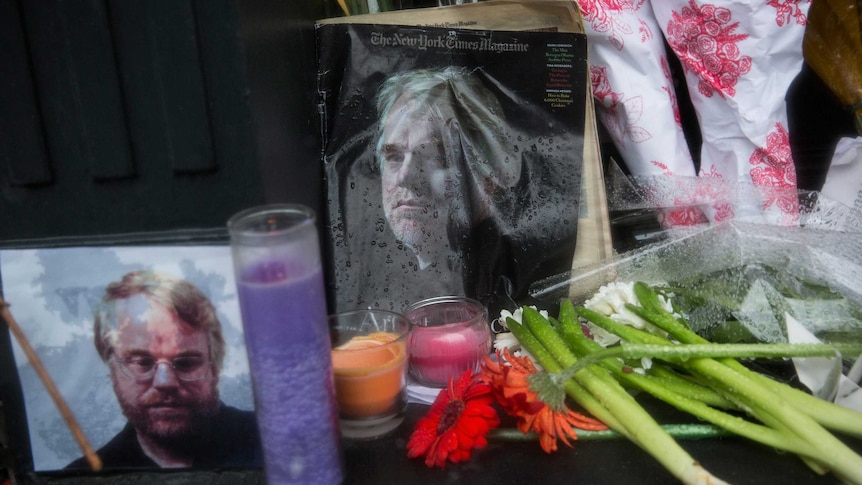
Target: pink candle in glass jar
point(450, 335)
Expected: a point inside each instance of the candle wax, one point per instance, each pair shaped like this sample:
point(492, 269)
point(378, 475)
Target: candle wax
point(369, 375)
point(285, 325)
point(438, 353)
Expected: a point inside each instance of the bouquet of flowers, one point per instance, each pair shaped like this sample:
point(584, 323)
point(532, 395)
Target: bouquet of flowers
point(745, 287)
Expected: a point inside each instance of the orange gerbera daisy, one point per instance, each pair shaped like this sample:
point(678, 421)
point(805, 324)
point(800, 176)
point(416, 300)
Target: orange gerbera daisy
point(508, 377)
point(457, 422)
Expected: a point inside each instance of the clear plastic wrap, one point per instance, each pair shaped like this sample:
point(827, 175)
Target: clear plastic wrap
point(820, 262)
point(741, 281)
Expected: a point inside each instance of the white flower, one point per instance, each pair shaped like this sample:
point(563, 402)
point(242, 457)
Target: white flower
point(518, 315)
point(646, 363)
point(610, 301)
point(507, 340)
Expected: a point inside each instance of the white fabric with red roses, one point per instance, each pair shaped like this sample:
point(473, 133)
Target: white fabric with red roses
point(739, 58)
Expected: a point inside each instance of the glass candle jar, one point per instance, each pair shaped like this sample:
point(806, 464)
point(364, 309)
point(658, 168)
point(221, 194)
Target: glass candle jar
point(450, 335)
point(369, 363)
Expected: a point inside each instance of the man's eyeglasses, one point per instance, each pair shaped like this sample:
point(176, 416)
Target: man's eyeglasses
point(143, 368)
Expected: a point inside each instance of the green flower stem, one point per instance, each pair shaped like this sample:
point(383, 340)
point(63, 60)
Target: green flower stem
point(765, 405)
point(641, 426)
point(757, 432)
point(625, 332)
point(585, 347)
point(686, 386)
point(828, 450)
point(677, 431)
point(759, 400)
point(837, 418)
point(632, 334)
point(680, 353)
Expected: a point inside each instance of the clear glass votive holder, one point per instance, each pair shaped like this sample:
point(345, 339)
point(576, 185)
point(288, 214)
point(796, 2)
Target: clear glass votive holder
point(450, 335)
point(369, 365)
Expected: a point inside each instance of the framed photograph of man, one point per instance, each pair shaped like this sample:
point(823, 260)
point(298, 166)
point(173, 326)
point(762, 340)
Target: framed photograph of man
point(144, 344)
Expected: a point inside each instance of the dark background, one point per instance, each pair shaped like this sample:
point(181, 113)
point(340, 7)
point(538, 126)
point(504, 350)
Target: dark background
point(123, 117)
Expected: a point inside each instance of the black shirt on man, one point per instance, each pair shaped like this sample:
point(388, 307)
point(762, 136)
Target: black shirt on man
point(231, 440)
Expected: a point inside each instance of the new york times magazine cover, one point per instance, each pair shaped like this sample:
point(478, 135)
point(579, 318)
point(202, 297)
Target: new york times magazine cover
point(452, 160)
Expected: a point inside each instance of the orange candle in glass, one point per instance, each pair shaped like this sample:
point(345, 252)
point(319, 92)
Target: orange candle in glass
point(369, 374)
point(369, 365)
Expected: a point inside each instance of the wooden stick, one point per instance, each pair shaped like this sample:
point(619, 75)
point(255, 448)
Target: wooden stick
point(92, 457)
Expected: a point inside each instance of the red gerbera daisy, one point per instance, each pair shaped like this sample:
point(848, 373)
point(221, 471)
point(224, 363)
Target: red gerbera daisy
point(457, 422)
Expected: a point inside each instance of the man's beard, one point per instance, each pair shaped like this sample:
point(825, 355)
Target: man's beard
point(413, 232)
point(429, 230)
point(178, 432)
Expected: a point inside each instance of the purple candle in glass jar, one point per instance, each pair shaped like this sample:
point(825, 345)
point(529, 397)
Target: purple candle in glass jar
point(282, 301)
point(450, 335)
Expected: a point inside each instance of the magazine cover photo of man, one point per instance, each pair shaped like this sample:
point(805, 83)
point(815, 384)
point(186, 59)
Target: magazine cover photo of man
point(442, 155)
point(457, 188)
point(162, 342)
